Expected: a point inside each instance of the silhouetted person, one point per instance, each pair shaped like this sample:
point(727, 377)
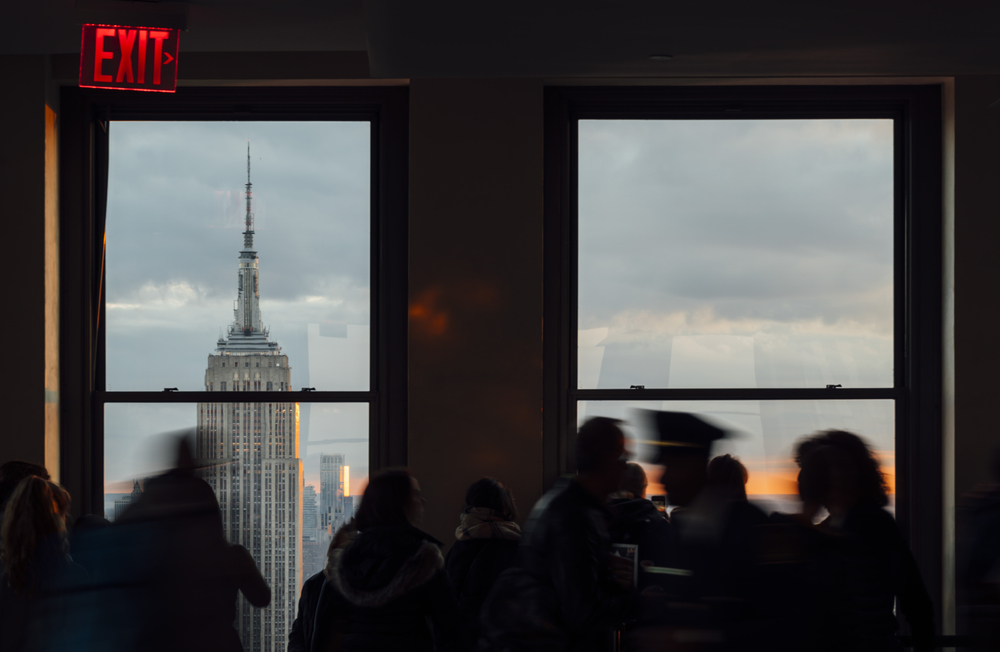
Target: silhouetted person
point(174, 580)
point(320, 621)
point(487, 545)
point(725, 471)
point(713, 582)
point(11, 474)
point(979, 563)
point(85, 542)
point(39, 579)
point(636, 520)
point(569, 592)
point(839, 472)
point(389, 581)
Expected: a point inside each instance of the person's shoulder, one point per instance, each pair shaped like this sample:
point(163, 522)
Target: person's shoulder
point(315, 581)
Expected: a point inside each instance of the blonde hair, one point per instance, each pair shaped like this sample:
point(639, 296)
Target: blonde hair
point(35, 510)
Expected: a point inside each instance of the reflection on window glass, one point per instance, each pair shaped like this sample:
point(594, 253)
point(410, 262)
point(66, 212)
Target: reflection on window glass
point(282, 497)
point(194, 269)
point(236, 266)
point(763, 435)
point(735, 253)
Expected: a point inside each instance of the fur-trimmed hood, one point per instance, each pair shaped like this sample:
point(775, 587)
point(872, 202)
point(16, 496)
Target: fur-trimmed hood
point(383, 564)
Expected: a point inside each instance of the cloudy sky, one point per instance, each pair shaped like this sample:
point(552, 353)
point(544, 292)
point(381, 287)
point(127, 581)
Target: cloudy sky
point(744, 253)
point(174, 228)
point(712, 254)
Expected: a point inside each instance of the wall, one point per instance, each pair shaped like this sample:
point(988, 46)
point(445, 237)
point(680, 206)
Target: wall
point(29, 329)
point(475, 345)
point(977, 279)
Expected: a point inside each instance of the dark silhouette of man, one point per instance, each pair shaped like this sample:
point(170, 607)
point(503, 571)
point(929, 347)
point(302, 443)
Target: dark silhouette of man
point(636, 520)
point(569, 592)
point(713, 579)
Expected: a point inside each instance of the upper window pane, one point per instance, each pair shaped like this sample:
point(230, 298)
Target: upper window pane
point(186, 279)
point(735, 253)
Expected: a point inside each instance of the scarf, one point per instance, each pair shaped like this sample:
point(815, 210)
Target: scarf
point(483, 523)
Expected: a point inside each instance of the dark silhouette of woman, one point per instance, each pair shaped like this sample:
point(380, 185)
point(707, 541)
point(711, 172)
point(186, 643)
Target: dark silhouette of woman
point(839, 472)
point(386, 587)
point(38, 574)
point(487, 546)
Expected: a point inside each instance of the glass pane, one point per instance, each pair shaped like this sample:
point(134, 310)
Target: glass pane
point(286, 475)
point(735, 253)
point(763, 436)
point(188, 281)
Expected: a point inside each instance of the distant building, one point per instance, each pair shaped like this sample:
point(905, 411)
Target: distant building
point(335, 478)
point(313, 545)
point(121, 504)
point(252, 453)
point(310, 513)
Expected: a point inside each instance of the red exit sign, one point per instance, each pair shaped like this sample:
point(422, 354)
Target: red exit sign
point(129, 58)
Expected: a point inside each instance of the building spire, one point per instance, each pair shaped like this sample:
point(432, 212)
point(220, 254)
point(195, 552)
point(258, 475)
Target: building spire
point(248, 233)
point(247, 332)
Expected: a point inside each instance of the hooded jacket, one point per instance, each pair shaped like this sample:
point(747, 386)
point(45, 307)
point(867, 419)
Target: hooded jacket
point(636, 520)
point(392, 589)
point(473, 565)
point(561, 597)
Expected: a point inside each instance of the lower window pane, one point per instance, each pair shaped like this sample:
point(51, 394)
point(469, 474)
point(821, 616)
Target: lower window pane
point(286, 475)
point(763, 436)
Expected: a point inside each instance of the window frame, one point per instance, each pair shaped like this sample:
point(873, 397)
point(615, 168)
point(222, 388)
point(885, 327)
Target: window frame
point(83, 197)
point(918, 311)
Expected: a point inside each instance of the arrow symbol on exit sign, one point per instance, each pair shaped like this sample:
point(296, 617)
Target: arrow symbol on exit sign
point(168, 58)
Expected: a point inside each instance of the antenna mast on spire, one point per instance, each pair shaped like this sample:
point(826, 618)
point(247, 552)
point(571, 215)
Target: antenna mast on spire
point(248, 234)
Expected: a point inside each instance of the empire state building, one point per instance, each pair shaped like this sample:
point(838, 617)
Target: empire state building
point(252, 451)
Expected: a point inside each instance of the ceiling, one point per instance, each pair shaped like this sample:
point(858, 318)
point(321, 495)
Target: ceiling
point(559, 38)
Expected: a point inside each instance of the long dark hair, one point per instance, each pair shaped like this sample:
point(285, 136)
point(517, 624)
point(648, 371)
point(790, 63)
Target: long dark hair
point(35, 511)
point(490, 493)
point(851, 458)
point(385, 500)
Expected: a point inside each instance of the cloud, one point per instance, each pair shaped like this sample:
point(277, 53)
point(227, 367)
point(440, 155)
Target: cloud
point(786, 218)
point(174, 230)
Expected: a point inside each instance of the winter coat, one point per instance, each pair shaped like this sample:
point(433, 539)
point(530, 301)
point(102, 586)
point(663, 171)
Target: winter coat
point(46, 615)
point(561, 596)
point(636, 520)
point(881, 569)
point(390, 591)
point(473, 565)
point(300, 637)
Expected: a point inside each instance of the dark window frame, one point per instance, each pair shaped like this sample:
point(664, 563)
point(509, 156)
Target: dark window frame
point(918, 309)
point(83, 197)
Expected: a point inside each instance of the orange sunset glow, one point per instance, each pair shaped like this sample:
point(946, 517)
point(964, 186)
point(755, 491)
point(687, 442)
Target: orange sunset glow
point(776, 480)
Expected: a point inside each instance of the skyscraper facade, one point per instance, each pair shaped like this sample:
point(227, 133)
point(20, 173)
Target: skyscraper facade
point(251, 451)
point(313, 549)
point(335, 478)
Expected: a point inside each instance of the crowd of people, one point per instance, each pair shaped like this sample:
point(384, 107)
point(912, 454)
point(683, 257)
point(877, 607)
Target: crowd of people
point(597, 566)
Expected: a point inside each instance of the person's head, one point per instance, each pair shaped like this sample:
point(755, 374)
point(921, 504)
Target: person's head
point(600, 453)
point(728, 472)
point(684, 474)
point(838, 470)
point(34, 512)
point(633, 480)
point(490, 493)
point(11, 474)
point(391, 498)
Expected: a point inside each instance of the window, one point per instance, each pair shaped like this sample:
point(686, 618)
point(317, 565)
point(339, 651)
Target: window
point(765, 257)
point(326, 177)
